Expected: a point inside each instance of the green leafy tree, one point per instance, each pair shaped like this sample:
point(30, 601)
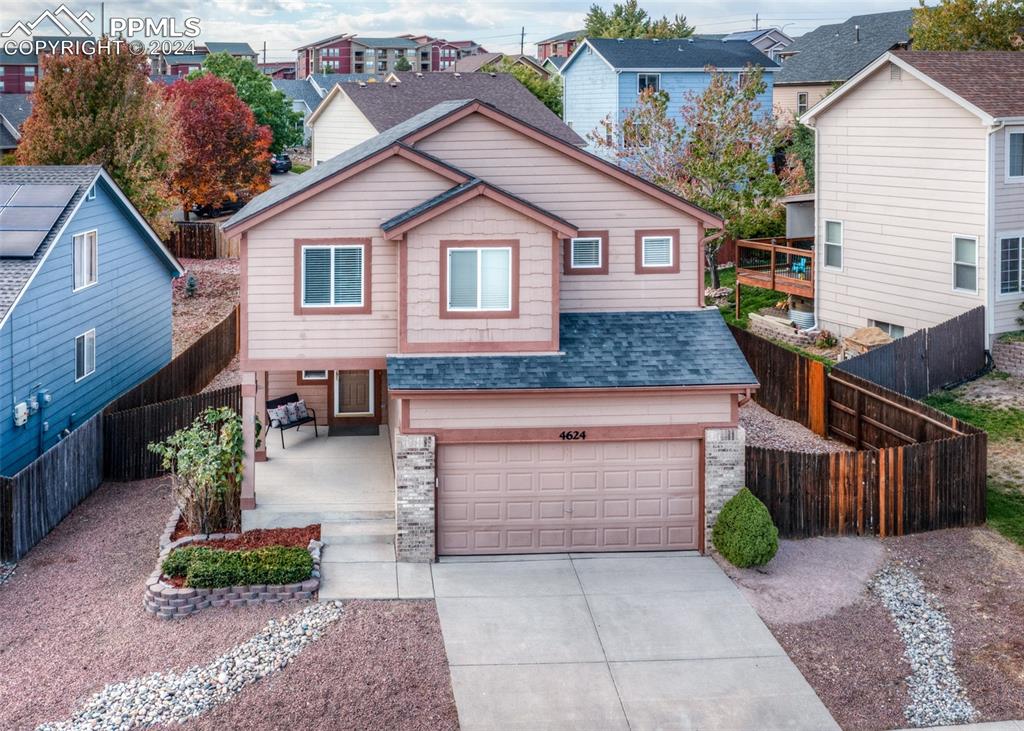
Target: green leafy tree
point(103, 110)
point(270, 107)
point(548, 90)
point(802, 146)
point(719, 156)
point(402, 64)
point(629, 20)
point(969, 25)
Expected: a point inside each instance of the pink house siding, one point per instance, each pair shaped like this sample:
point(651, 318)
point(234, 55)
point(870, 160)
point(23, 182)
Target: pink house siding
point(282, 383)
point(589, 199)
point(480, 221)
point(276, 336)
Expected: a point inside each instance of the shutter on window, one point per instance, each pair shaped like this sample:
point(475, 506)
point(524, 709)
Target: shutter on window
point(348, 276)
point(657, 251)
point(494, 279)
point(316, 287)
point(586, 253)
point(461, 279)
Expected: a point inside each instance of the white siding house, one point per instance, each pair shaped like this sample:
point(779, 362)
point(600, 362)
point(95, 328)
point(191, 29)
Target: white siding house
point(916, 209)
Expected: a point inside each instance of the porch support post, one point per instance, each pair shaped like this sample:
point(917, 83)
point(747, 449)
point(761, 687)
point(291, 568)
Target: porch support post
point(415, 497)
point(261, 414)
point(725, 463)
point(248, 498)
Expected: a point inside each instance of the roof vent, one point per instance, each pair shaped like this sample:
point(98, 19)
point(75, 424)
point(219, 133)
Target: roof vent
point(493, 75)
point(393, 84)
point(619, 40)
point(419, 74)
point(856, 34)
point(689, 40)
point(362, 83)
point(655, 40)
point(457, 75)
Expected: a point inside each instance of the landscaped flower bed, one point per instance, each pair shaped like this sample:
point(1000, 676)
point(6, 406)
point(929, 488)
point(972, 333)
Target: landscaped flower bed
point(232, 569)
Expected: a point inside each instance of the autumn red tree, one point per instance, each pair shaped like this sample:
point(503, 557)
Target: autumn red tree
point(102, 109)
point(225, 154)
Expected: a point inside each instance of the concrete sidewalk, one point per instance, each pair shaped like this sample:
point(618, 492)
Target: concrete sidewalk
point(639, 641)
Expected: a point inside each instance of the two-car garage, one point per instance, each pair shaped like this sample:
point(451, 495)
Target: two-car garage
point(572, 495)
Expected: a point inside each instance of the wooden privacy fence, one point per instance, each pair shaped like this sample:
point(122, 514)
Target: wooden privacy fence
point(913, 468)
point(190, 370)
point(128, 434)
point(201, 240)
point(34, 500)
point(926, 360)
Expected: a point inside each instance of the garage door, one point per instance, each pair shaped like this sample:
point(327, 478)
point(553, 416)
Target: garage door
point(568, 496)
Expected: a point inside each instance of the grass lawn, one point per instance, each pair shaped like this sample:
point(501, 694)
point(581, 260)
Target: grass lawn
point(1005, 427)
point(752, 299)
point(297, 168)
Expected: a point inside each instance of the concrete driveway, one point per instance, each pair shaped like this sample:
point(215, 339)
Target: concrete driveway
point(638, 641)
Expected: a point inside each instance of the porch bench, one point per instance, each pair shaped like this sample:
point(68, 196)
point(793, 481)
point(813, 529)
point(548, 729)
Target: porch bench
point(281, 426)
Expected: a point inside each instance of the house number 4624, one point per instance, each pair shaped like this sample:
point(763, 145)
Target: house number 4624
point(572, 435)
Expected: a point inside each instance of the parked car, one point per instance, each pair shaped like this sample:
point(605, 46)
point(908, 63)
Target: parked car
point(221, 209)
point(280, 163)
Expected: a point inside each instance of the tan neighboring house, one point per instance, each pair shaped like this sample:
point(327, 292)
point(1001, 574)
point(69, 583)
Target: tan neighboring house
point(919, 206)
point(354, 112)
point(819, 61)
point(519, 325)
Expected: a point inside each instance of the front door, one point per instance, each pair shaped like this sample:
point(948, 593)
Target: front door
point(354, 398)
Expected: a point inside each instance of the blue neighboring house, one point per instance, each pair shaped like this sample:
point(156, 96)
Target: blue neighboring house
point(605, 76)
point(85, 303)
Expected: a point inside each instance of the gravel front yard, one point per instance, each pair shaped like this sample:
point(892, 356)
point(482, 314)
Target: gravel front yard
point(765, 429)
point(72, 621)
point(217, 293)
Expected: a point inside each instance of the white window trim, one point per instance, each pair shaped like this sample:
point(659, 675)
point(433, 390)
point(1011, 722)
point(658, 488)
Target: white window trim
point(976, 265)
point(479, 289)
point(643, 252)
point(645, 73)
point(362, 275)
point(1011, 179)
point(1008, 296)
point(307, 377)
point(841, 244)
point(91, 193)
point(572, 253)
point(86, 334)
point(95, 259)
point(802, 106)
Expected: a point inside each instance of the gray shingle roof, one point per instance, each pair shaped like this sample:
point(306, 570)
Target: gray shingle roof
point(15, 273)
point(235, 49)
point(338, 163)
point(557, 61)
point(447, 195)
point(833, 53)
point(386, 42)
point(599, 350)
point(678, 53)
point(385, 105)
point(15, 108)
point(298, 89)
point(327, 81)
point(178, 59)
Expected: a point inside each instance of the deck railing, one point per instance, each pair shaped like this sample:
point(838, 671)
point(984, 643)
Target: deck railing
point(780, 264)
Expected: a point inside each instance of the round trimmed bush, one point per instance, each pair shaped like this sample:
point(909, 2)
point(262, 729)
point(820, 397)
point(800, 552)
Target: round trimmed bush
point(744, 532)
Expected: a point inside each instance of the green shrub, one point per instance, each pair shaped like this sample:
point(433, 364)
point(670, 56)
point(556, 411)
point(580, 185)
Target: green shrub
point(744, 532)
point(211, 568)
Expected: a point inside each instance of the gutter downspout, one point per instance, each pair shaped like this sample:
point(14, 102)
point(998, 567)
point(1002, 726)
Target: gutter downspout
point(991, 251)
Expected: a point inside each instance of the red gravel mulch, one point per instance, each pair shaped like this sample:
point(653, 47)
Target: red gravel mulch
point(978, 577)
point(72, 620)
point(382, 666)
point(297, 537)
point(854, 661)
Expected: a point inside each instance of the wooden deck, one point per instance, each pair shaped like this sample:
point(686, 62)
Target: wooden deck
point(779, 264)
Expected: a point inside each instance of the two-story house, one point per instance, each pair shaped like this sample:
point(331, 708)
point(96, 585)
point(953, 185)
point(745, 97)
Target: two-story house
point(772, 42)
point(827, 56)
point(524, 320)
point(21, 66)
point(182, 64)
point(352, 113)
point(919, 205)
point(604, 77)
point(85, 303)
point(559, 46)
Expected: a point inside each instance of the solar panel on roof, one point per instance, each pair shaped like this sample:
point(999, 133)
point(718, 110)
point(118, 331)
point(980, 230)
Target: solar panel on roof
point(20, 243)
point(43, 195)
point(28, 218)
point(6, 192)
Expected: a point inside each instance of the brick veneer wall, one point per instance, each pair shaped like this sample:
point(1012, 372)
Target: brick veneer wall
point(415, 475)
point(171, 602)
point(724, 472)
point(1009, 357)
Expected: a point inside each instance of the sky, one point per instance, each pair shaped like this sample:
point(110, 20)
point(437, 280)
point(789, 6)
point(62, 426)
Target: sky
point(283, 25)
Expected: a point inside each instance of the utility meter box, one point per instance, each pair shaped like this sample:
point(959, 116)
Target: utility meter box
point(20, 414)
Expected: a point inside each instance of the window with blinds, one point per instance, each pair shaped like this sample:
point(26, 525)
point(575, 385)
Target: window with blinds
point(585, 253)
point(479, 279)
point(657, 251)
point(332, 276)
